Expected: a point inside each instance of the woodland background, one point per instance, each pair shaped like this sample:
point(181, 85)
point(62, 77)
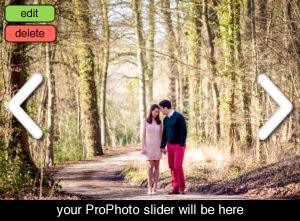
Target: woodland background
point(112, 59)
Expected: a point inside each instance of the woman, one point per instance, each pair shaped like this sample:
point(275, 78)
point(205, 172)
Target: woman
point(150, 146)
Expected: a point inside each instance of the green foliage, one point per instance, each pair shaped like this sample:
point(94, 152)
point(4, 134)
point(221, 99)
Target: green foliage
point(200, 136)
point(86, 65)
point(14, 172)
point(234, 172)
point(124, 137)
point(133, 174)
point(68, 146)
point(63, 153)
point(229, 30)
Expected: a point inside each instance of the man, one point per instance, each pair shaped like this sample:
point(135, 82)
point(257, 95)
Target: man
point(174, 137)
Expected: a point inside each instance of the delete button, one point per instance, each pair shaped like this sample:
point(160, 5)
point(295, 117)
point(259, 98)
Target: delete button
point(30, 33)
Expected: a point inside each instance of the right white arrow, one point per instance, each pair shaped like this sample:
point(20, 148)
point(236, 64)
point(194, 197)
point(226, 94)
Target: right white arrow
point(285, 106)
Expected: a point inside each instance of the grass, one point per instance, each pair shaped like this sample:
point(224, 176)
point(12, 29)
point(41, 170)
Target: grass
point(210, 164)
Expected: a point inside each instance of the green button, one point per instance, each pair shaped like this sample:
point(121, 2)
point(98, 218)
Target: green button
point(29, 13)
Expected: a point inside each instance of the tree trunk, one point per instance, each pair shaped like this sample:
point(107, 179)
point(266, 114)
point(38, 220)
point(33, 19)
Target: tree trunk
point(106, 32)
point(258, 49)
point(40, 121)
point(293, 46)
point(19, 138)
point(193, 35)
point(87, 89)
point(173, 74)
point(150, 49)
point(211, 61)
point(49, 155)
point(140, 59)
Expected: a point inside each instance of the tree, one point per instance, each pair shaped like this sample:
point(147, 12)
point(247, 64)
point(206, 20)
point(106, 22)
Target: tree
point(172, 72)
point(103, 81)
point(87, 88)
point(229, 20)
point(49, 156)
point(150, 49)
point(19, 138)
point(211, 61)
point(136, 6)
point(193, 27)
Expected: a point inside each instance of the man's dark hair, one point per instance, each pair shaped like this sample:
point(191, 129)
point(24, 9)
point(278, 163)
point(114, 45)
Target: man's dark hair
point(165, 103)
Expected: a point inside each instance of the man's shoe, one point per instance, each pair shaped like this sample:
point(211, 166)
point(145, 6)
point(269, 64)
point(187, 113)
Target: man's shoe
point(173, 192)
point(182, 192)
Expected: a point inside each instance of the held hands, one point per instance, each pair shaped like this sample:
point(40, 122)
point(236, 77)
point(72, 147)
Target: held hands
point(164, 151)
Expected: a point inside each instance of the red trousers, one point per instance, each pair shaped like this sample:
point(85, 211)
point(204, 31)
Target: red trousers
point(175, 160)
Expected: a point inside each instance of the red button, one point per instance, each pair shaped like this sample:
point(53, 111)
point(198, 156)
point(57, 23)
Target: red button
point(30, 33)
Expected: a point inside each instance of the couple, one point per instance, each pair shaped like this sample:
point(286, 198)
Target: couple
point(158, 139)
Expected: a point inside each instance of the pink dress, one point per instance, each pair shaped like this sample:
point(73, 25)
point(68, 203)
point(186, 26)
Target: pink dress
point(151, 139)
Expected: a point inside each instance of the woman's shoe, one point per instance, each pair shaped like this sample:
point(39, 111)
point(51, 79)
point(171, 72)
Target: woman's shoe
point(154, 193)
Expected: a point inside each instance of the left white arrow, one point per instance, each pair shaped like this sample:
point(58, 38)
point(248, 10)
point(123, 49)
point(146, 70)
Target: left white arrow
point(14, 105)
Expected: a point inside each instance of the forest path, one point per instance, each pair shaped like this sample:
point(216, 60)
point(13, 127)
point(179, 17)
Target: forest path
point(100, 178)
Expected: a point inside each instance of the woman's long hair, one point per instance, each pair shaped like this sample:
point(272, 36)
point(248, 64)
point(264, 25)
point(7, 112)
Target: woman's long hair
point(149, 117)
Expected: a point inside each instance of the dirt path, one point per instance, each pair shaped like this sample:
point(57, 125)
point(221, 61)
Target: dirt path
point(100, 178)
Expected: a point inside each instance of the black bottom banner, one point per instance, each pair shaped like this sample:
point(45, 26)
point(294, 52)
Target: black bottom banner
point(97, 209)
